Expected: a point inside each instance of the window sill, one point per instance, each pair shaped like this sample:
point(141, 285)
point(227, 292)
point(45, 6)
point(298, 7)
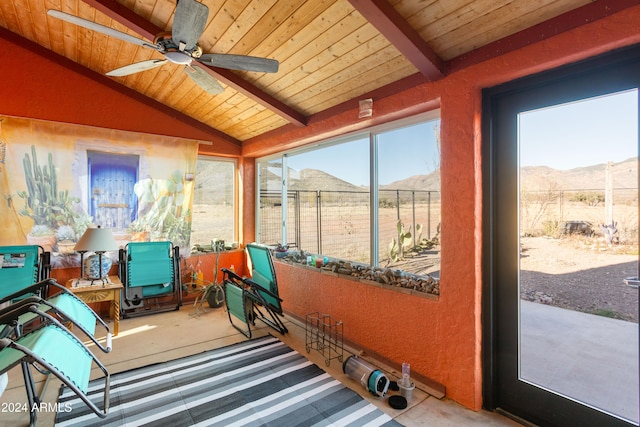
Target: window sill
point(392, 287)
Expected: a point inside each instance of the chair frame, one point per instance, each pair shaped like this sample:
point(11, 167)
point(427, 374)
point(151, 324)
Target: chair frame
point(254, 250)
point(51, 283)
point(245, 313)
point(41, 270)
point(136, 302)
point(11, 316)
point(255, 293)
point(41, 289)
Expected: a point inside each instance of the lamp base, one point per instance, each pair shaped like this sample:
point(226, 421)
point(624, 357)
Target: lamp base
point(97, 267)
point(105, 280)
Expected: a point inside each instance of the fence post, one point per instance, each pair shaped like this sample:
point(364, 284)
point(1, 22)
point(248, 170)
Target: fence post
point(399, 220)
point(429, 215)
point(413, 210)
point(298, 236)
point(608, 194)
point(319, 220)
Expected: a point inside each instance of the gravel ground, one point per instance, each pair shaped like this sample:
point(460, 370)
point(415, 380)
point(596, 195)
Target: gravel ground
point(580, 273)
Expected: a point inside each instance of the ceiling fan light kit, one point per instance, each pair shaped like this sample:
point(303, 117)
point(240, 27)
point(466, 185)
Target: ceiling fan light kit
point(178, 58)
point(180, 46)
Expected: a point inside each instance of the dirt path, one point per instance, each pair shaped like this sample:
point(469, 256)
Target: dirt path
point(580, 273)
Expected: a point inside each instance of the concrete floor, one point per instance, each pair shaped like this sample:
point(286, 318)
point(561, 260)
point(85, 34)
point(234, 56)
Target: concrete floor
point(164, 336)
point(589, 358)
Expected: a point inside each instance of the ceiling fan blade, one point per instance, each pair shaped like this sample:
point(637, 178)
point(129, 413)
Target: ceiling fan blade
point(240, 62)
point(204, 80)
point(188, 23)
point(136, 68)
point(100, 28)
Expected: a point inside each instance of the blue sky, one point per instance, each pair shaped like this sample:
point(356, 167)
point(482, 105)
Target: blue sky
point(572, 135)
point(582, 133)
point(403, 152)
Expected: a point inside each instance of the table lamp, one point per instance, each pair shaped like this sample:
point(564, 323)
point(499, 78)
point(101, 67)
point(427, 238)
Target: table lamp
point(98, 240)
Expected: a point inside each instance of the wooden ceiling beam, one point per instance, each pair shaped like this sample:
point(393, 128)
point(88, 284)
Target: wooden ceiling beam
point(398, 31)
point(126, 17)
point(148, 30)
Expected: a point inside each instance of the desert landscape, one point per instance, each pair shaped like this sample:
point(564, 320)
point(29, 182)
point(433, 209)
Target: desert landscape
point(580, 273)
point(575, 271)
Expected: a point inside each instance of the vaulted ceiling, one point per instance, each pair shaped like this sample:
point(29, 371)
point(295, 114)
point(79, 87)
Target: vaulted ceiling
point(329, 51)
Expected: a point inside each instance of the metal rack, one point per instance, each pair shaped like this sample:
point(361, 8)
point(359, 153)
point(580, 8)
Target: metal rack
point(325, 336)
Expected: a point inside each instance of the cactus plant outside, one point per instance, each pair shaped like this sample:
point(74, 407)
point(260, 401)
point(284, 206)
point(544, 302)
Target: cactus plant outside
point(397, 248)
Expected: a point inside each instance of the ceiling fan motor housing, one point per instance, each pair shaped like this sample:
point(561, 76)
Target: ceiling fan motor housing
point(166, 43)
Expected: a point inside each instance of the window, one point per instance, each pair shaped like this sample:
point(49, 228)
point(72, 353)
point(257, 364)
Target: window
point(213, 203)
point(328, 199)
point(409, 197)
point(270, 204)
point(318, 199)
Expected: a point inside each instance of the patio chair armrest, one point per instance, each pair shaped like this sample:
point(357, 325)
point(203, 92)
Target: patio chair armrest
point(232, 275)
point(14, 311)
point(55, 284)
point(261, 288)
point(5, 342)
point(36, 288)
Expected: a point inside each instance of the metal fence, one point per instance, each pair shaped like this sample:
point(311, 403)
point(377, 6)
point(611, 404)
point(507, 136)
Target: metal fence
point(544, 212)
point(337, 223)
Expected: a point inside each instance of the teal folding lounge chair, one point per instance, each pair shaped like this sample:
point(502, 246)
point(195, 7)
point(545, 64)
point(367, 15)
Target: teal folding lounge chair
point(239, 303)
point(264, 274)
point(51, 349)
point(23, 268)
point(150, 273)
point(261, 289)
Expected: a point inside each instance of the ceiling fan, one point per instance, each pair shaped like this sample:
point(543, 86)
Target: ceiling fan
point(180, 46)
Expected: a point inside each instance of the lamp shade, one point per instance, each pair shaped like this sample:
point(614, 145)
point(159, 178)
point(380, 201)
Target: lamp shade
point(96, 240)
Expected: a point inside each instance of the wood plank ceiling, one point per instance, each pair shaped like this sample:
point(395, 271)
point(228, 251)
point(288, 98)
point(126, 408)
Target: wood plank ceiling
point(330, 51)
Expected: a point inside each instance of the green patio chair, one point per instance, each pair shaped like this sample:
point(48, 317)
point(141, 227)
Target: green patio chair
point(264, 274)
point(261, 289)
point(150, 274)
point(21, 266)
point(22, 276)
point(239, 303)
point(51, 349)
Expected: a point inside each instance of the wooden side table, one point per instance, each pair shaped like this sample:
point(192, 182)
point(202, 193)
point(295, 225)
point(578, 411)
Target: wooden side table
point(99, 293)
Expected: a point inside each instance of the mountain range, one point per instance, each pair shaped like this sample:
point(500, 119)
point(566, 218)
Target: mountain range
point(625, 175)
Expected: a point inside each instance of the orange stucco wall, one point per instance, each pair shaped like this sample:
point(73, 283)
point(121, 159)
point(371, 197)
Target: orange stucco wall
point(386, 324)
point(37, 84)
point(441, 339)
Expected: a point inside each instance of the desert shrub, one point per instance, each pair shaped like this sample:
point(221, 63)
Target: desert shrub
point(591, 198)
point(551, 228)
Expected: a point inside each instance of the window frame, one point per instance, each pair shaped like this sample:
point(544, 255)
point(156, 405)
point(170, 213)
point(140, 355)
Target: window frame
point(371, 134)
point(234, 192)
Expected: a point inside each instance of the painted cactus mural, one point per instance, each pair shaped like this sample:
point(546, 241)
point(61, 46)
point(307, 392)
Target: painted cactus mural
point(161, 210)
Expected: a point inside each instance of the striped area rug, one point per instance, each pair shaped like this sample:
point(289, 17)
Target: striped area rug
point(253, 383)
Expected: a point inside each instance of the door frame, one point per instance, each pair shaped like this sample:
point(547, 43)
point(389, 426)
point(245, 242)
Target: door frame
point(610, 72)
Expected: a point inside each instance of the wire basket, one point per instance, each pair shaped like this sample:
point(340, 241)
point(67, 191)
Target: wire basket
point(324, 335)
